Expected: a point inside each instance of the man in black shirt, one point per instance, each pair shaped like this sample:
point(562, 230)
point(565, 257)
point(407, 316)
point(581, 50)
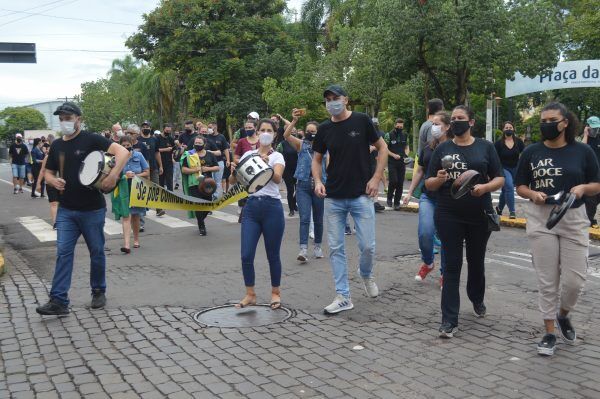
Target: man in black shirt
point(18, 154)
point(397, 142)
point(149, 147)
point(81, 209)
point(346, 138)
point(187, 137)
point(220, 143)
point(166, 143)
point(591, 137)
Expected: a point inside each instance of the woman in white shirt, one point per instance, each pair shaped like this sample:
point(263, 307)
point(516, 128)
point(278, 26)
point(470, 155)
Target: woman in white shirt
point(263, 214)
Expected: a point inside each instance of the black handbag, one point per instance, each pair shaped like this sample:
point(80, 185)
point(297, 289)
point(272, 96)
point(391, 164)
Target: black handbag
point(493, 221)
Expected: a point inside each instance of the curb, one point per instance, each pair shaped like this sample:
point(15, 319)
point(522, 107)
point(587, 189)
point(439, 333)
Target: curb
point(518, 223)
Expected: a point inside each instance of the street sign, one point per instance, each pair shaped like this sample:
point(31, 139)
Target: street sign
point(17, 53)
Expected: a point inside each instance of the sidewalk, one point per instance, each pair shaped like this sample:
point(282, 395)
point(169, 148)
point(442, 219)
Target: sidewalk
point(385, 348)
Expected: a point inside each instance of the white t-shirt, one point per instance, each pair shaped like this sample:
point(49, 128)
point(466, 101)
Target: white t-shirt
point(272, 188)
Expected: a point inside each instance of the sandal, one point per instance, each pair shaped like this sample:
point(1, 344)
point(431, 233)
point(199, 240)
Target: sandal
point(136, 245)
point(277, 303)
point(241, 304)
point(125, 250)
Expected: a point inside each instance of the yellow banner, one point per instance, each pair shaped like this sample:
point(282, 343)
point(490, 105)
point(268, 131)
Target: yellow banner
point(145, 194)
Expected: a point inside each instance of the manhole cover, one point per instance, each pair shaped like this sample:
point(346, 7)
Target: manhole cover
point(252, 316)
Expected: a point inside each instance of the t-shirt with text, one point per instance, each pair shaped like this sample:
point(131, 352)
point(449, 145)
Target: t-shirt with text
point(551, 170)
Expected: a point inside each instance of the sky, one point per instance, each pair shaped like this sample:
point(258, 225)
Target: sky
point(59, 73)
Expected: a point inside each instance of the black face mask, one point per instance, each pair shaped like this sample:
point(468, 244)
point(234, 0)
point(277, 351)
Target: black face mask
point(309, 136)
point(509, 132)
point(399, 129)
point(458, 128)
point(198, 147)
point(146, 131)
point(18, 141)
point(167, 133)
point(188, 131)
point(550, 130)
point(129, 149)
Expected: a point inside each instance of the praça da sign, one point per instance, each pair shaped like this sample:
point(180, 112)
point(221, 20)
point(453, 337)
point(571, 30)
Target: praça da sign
point(566, 75)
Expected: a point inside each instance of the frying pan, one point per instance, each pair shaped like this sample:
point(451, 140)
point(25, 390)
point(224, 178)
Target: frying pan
point(565, 202)
point(464, 183)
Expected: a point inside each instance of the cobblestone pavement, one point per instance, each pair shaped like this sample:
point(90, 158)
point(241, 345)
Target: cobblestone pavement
point(160, 352)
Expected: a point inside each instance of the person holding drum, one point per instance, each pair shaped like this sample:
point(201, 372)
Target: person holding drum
point(559, 252)
point(81, 209)
point(263, 214)
point(136, 166)
point(463, 219)
point(308, 201)
point(197, 167)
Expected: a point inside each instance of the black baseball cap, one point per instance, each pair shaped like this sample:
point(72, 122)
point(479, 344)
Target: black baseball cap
point(68, 108)
point(335, 89)
point(146, 123)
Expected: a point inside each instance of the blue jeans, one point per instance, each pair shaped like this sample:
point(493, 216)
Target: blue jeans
point(262, 215)
point(426, 231)
point(508, 190)
point(362, 211)
point(308, 203)
point(218, 176)
point(18, 171)
point(69, 226)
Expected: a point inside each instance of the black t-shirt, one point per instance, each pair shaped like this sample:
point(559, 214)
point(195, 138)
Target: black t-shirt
point(18, 153)
point(424, 160)
point(76, 196)
point(164, 142)
point(509, 157)
point(207, 160)
point(551, 170)
point(187, 139)
point(290, 155)
point(480, 156)
point(149, 147)
point(348, 145)
point(217, 143)
point(594, 143)
point(397, 144)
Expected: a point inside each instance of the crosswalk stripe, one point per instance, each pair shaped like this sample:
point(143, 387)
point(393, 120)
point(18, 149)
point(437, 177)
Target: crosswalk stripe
point(112, 227)
point(42, 230)
point(167, 220)
point(224, 216)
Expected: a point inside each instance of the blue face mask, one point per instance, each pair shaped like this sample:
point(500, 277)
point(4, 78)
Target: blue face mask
point(335, 107)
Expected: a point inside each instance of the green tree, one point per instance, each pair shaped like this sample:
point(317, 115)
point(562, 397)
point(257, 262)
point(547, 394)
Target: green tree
point(213, 46)
point(17, 119)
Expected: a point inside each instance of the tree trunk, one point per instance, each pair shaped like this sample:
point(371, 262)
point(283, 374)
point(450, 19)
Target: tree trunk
point(222, 126)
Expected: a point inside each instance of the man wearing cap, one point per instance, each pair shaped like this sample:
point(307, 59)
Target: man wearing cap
point(81, 210)
point(591, 137)
point(346, 136)
point(148, 145)
point(18, 152)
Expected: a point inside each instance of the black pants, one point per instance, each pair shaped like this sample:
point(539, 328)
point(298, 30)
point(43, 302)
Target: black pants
point(453, 234)
point(591, 205)
point(200, 215)
point(166, 179)
point(290, 187)
point(396, 173)
point(35, 170)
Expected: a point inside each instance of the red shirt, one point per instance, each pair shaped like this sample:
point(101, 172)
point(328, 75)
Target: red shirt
point(243, 146)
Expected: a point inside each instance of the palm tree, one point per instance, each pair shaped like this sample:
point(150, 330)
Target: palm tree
point(319, 17)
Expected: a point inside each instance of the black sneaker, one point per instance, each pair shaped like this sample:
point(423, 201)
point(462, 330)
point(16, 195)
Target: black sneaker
point(202, 230)
point(498, 211)
point(567, 332)
point(291, 213)
point(177, 187)
point(479, 309)
point(98, 299)
point(397, 207)
point(379, 207)
point(53, 308)
point(347, 231)
point(389, 203)
point(512, 215)
point(161, 212)
point(447, 330)
point(546, 346)
point(142, 229)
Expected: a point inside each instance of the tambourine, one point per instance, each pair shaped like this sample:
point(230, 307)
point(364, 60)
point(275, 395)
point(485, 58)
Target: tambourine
point(565, 202)
point(464, 183)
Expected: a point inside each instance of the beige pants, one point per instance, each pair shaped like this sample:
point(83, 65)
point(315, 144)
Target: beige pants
point(559, 255)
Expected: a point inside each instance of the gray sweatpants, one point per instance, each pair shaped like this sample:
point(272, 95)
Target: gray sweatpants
point(560, 257)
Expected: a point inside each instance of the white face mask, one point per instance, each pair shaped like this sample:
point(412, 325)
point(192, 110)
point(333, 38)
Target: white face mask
point(120, 133)
point(67, 127)
point(211, 131)
point(436, 131)
point(265, 139)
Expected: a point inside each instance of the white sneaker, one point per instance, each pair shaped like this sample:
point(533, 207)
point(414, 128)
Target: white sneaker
point(303, 256)
point(339, 304)
point(311, 234)
point(36, 194)
point(370, 286)
point(318, 252)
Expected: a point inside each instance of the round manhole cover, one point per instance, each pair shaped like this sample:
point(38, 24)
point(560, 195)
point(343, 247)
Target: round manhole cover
point(251, 316)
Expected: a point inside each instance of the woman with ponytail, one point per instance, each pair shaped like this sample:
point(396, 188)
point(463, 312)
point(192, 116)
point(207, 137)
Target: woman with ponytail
point(559, 255)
